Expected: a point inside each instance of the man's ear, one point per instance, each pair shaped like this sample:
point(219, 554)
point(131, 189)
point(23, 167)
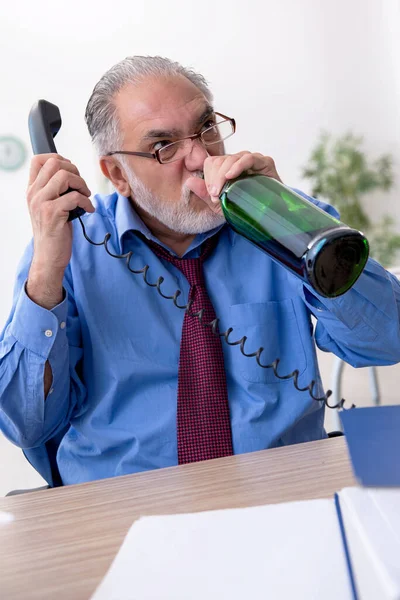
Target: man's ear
point(115, 173)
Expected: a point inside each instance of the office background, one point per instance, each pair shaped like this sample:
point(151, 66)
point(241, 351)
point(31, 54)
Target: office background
point(285, 70)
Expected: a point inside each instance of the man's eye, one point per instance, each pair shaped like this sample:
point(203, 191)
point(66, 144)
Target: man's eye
point(209, 123)
point(161, 144)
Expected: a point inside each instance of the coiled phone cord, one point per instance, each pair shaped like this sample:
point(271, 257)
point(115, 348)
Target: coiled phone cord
point(215, 325)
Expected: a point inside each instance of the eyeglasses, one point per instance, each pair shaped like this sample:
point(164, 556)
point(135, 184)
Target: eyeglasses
point(224, 128)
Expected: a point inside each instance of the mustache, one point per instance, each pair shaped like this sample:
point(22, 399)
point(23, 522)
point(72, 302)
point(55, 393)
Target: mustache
point(186, 193)
point(199, 174)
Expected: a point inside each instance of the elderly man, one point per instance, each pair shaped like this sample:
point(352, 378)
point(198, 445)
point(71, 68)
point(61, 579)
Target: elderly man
point(100, 375)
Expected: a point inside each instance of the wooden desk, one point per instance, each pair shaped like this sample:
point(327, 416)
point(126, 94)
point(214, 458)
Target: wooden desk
point(63, 540)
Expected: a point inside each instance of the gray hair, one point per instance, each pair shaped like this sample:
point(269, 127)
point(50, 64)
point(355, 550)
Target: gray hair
point(101, 114)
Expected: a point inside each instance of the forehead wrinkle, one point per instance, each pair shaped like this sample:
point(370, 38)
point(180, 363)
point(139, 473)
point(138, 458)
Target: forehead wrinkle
point(175, 132)
point(148, 103)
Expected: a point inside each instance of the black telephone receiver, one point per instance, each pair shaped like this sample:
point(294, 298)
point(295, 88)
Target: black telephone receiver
point(44, 123)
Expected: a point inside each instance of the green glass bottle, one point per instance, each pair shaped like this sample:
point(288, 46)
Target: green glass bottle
point(319, 249)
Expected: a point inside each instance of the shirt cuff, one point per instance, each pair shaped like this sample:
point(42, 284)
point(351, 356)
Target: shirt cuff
point(39, 329)
point(345, 313)
point(345, 307)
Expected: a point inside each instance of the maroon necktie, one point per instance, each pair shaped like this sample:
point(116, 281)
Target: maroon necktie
point(203, 422)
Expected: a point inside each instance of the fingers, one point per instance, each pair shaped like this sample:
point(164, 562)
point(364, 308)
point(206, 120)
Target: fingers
point(68, 202)
point(48, 170)
point(215, 170)
point(37, 163)
point(219, 169)
point(52, 215)
point(254, 163)
point(58, 184)
point(61, 182)
point(60, 205)
point(56, 187)
point(198, 187)
point(51, 175)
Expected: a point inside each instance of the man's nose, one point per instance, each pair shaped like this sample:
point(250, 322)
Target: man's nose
point(194, 161)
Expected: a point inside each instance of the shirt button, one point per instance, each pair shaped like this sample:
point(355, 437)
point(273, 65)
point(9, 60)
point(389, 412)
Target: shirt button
point(51, 390)
point(62, 325)
point(48, 333)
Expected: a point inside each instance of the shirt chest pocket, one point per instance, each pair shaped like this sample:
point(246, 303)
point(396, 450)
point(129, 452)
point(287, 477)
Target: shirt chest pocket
point(273, 326)
point(144, 330)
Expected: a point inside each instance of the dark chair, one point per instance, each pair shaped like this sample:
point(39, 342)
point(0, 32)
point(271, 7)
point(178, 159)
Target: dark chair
point(44, 460)
point(17, 492)
point(333, 434)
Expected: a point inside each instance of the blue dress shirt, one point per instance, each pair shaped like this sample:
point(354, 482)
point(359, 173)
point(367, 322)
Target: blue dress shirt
point(113, 346)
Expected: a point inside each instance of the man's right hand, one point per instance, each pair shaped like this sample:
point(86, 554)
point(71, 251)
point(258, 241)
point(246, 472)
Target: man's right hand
point(50, 176)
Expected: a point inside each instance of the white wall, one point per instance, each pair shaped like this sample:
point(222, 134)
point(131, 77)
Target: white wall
point(284, 69)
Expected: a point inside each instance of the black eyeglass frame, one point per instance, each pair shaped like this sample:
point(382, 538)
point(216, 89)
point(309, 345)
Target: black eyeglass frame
point(155, 155)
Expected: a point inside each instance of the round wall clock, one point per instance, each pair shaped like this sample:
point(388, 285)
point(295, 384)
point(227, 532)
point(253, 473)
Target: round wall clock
point(12, 153)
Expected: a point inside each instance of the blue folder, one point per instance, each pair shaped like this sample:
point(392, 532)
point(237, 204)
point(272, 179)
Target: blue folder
point(373, 440)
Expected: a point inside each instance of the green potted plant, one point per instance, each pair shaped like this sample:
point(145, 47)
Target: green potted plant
point(341, 173)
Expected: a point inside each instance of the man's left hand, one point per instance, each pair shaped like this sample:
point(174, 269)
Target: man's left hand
point(220, 169)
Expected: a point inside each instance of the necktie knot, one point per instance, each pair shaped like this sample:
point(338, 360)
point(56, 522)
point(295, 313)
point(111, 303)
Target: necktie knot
point(192, 268)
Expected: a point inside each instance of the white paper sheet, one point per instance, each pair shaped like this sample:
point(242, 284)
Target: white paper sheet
point(372, 522)
point(282, 551)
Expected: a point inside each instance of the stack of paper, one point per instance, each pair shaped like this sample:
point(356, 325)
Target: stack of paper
point(291, 550)
point(372, 532)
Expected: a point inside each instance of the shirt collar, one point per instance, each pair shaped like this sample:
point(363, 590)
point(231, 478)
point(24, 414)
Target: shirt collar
point(127, 220)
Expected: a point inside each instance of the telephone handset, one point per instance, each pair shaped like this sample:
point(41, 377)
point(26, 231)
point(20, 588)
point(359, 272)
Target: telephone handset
point(44, 124)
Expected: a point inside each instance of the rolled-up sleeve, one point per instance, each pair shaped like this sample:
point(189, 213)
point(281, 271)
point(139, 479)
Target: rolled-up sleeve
point(362, 327)
point(32, 336)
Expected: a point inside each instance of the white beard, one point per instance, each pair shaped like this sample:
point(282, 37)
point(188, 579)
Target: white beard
point(177, 217)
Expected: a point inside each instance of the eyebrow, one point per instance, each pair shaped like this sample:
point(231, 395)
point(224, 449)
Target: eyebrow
point(170, 133)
